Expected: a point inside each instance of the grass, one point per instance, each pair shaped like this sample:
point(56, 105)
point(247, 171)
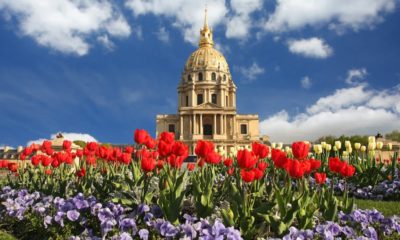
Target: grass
point(6, 236)
point(387, 208)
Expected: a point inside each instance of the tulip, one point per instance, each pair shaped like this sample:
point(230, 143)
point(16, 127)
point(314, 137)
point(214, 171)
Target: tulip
point(318, 148)
point(320, 178)
point(300, 150)
point(379, 145)
point(258, 174)
point(203, 148)
point(247, 175)
point(150, 142)
point(260, 150)
point(279, 158)
point(349, 149)
point(328, 147)
point(228, 162)
point(191, 166)
point(288, 150)
point(67, 145)
point(323, 144)
point(357, 146)
point(280, 145)
point(371, 139)
point(213, 158)
point(246, 159)
point(273, 145)
point(390, 146)
point(230, 171)
point(363, 148)
point(338, 145)
point(347, 144)
point(140, 136)
point(262, 166)
point(371, 146)
point(13, 167)
point(295, 169)
point(148, 164)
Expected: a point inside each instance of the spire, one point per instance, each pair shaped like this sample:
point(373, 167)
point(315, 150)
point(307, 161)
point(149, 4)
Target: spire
point(206, 38)
point(205, 18)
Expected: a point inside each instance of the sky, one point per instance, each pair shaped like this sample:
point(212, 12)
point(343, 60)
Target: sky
point(98, 69)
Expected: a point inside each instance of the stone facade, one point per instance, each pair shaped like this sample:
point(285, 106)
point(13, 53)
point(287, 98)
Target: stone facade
point(207, 102)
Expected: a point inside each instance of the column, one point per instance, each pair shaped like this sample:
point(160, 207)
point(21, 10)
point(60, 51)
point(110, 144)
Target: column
point(223, 124)
point(215, 124)
point(194, 124)
point(220, 124)
point(181, 122)
point(201, 124)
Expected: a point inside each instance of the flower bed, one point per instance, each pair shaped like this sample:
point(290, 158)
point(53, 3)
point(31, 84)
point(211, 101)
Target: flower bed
point(143, 191)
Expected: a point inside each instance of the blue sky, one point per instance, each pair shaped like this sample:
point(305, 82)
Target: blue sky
point(307, 67)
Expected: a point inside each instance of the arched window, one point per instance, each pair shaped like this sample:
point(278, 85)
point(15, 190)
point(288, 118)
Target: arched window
point(199, 99)
point(189, 78)
point(213, 76)
point(224, 77)
point(200, 77)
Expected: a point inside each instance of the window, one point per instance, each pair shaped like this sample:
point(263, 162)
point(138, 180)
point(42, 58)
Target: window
point(171, 128)
point(224, 78)
point(213, 76)
point(207, 129)
point(187, 101)
point(200, 77)
point(226, 101)
point(243, 129)
point(214, 98)
point(189, 78)
point(199, 99)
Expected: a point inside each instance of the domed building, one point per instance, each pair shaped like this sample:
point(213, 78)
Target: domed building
point(207, 102)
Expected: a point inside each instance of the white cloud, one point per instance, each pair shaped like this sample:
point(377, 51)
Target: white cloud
point(238, 25)
point(66, 26)
point(306, 82)
point(106, 42)
point(186, 15)
point(356, 74)
point(251, 73)
point(67, 136)
point(163, 35)
point(337, 14)
point(349, 111)
point(311, 47)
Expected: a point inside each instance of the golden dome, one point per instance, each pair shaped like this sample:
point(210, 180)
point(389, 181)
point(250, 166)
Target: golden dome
point(206, 57)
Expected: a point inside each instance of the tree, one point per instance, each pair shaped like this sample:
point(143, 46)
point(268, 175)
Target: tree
point(394, 136)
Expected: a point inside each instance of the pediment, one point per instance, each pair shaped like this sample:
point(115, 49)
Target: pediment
point(208, 106)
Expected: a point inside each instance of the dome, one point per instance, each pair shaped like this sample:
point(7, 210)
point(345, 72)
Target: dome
point(206, 58)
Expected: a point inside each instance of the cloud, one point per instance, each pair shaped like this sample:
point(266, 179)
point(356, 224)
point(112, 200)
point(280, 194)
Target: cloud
point(185, 15)
point(311, 47)
point(163, 35)
point(106, 42)
point(306, 82)
point(349, 111)
point(337, 14)
point(251, 73)
point(66, 26)
point(67, 136)
point(355, 74)
point(239, 24)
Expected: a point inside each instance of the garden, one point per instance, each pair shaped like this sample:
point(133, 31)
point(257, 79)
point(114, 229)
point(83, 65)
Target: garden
point(148, 191)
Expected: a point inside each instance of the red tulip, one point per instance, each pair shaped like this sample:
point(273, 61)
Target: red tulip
point(69, 159)
point(140, 136)
point(258, 174)
point(168, 137)
point(81, 172)
point(260, 150)
point(201, 162)
point(67, 145)
point(129, 149)
point(176, 161)
point(48, 172)
point(213, 158)
point(191, 166)
point(203, 148)
point(262, 166)
point(92, 146)
point(35, 160)
point(306, 165)
point(28, 151)
point(148, 164)
point(247, 175)
point(231, 170)
point(46, 145)
point(279, 158)
point(300, 150)
point(160, 164)
point(315, 164)
point(295, 169)
point(347, 170)
point(320, 178)
point(91, 160)
point(180, 149)
point(164, 148)
point(334, 164)
point(13, 167)
point(46, 161)
point(150, 142)
point(126, 158)
point(246, 159)
point(55, 163)
point(228, 162)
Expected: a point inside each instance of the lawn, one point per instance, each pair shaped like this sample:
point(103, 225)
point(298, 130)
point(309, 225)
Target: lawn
point(387, 208)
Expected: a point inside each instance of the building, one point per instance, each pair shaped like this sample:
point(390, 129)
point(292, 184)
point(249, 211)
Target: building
point(207, 102)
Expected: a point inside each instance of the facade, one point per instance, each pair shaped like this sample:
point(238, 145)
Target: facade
point(207, 102)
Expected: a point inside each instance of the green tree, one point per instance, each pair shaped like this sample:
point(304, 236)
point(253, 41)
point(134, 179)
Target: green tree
point(394, 136)
point(80, 143)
